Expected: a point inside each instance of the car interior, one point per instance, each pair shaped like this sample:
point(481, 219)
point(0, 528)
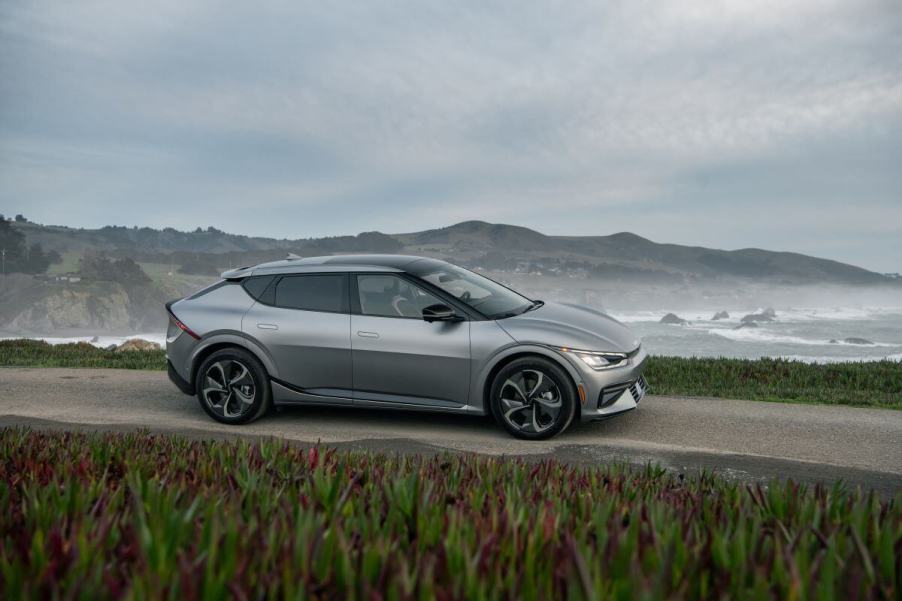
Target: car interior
point(391, 296)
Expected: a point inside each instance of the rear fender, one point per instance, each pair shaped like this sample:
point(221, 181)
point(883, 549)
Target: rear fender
point(215, 340)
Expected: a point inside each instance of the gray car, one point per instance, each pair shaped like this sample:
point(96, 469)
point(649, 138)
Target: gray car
point(398, 332)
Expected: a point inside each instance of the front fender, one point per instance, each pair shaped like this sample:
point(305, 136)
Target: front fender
point(482, 381)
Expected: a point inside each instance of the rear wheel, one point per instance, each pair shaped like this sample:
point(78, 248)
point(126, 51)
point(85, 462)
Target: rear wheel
point(232, 387)
point(533, 398)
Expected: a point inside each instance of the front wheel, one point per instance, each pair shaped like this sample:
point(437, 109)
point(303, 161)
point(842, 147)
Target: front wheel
point(232, 387)
point(533, 398)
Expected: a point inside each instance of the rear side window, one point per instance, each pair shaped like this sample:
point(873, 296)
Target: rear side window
point(256, 286)
point(313, 292)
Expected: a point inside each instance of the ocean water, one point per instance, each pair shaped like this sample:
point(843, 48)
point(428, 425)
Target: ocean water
point(797, 333)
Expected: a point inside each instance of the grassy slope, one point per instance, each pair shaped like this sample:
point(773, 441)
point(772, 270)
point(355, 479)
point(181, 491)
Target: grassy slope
point(100, 516)
point(872, 384)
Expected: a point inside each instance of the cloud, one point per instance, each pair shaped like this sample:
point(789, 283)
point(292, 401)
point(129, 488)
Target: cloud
point(576, 118)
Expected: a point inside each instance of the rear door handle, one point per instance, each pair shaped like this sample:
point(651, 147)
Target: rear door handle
point(363, 334)
point(267, 326)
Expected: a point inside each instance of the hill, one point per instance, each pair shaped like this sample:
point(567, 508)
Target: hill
point(475, 243)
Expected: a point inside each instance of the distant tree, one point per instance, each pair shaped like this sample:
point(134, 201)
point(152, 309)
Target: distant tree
point(129, 272)
point(12, 242)
point(20, 258)
point(21, 218)
point(37, 261)
point(96, 266)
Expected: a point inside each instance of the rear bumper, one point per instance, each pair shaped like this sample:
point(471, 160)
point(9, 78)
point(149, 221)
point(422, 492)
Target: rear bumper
point(178, 380)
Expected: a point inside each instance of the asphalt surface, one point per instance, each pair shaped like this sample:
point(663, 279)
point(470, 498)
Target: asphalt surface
point(744, 440)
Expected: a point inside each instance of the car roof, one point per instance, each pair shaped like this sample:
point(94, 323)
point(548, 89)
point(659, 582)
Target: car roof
point(330, 263)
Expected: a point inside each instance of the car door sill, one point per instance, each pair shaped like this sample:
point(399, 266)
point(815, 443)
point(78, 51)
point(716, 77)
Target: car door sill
point(407, 405)
point(284, 393)
point(370, 396)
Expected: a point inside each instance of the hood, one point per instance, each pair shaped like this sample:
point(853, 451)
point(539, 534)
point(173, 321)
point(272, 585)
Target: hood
point(573, 326)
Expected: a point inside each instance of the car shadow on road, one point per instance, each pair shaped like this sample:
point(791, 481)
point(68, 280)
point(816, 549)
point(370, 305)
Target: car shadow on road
point(404, 422)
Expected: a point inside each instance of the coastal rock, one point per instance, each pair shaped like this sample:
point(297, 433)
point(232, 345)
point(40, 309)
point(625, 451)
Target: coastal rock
point(104, 307)
point(746, 324)
point(137, 344)
point(834, 341)
point(674, 319)
point(854, 340)
point(767, 315)
point(720, 315)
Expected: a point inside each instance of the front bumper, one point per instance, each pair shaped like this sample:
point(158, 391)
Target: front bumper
point(611, 392)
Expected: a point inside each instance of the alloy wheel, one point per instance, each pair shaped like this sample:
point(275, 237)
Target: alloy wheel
point(530, 401)
point(229, 388)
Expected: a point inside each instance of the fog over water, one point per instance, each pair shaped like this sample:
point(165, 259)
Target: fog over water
point(812, 324)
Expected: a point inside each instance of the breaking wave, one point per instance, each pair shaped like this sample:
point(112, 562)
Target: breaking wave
point(766, 337)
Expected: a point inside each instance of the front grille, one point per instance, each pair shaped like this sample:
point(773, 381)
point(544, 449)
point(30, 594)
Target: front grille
point(609, 395)
point(638, 388)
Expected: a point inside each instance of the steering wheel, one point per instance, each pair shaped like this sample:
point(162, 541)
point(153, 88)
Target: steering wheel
point(396, 305)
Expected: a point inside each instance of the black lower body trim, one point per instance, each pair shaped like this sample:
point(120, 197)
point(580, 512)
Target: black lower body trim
point(179, 381)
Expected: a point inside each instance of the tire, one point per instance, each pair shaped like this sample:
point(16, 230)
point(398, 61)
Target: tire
point(244, 393)
point(548, 401)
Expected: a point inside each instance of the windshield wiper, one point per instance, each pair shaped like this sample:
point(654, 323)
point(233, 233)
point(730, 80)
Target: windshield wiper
point(505, 315)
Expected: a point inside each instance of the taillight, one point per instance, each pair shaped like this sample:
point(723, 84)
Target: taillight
point(180, 325)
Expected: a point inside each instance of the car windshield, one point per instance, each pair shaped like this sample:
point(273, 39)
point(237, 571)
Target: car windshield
point(486, 296)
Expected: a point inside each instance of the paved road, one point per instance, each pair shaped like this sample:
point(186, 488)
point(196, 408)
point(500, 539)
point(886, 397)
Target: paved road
point(741, 439)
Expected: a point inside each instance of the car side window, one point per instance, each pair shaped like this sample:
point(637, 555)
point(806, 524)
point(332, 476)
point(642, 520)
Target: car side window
point(321, 292)
point(386, 295)
point(256, 286)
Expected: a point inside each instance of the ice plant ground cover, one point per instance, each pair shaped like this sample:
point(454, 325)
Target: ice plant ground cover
point(863, 384)
point(99, 516)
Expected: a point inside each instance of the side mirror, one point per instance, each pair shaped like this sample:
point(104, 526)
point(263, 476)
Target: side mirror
point(439, 312)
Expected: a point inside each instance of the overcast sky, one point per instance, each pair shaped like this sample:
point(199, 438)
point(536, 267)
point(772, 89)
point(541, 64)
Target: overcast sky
point(726, 124)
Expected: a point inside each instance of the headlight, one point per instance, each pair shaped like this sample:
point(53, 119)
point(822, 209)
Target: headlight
point(600, 360)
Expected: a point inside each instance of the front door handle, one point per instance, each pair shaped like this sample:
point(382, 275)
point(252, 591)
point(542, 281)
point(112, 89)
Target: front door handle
point(363, 334)
point(267, 326)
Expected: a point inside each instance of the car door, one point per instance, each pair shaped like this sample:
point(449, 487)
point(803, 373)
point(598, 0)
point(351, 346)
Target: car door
point(398, 357)
point(304, 322)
